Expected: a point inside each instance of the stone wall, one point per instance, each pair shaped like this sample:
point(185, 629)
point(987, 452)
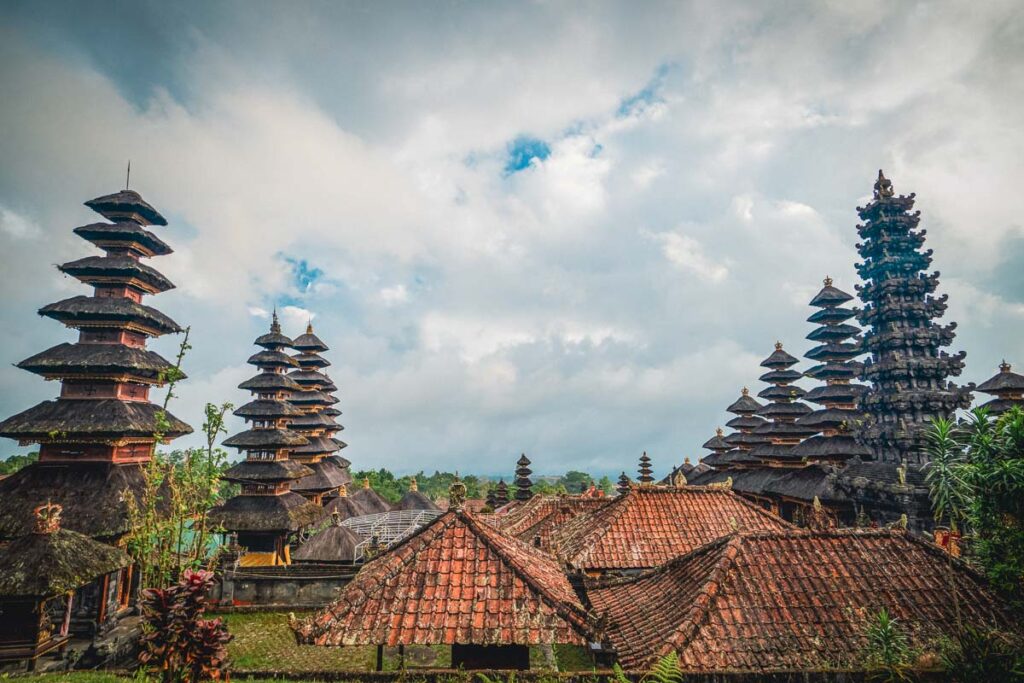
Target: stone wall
point(297, 586)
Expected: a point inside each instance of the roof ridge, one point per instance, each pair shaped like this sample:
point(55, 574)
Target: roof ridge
point(487, 534)
point(613, 510)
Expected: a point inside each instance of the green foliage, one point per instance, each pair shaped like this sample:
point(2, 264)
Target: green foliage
point(435, 486)
point(16, 462)
point(618, 675)
point(665, 670)
point(888, 653)
point(980, 480)
point(980, 655)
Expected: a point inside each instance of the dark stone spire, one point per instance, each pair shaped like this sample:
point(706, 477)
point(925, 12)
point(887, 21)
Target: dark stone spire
point(908, 370)
point(524, 486)
point(784, 408)
point(839, 418)
point(1007, 387)
point(624, 484)
point(491, 500)
point(646, 477)
point(501, 494)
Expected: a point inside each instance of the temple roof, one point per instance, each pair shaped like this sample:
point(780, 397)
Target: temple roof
point(309, 342)
point(91, 493)
point(41, 565)
point(95, 270)
point(269, 357)
point(744, 404)
point(311, 360)
point(1005, 381)
point(650, 525)
point(716, 443)
point(118, 360)
point(259, 471)
point(309, 377)
point(346, 506)
point(710, 605)
point(542, 515)
point(830, 296)
point(265, 438)
point(317, 445)
point(126, 205)
point(104, 420)
point(334, 543)
point(90, 311)
point(324, 475)
point(779, 359)
point(267, 409)
point(456, 580)
point(285, 512)
point(124, 235)
point(270, 381)
point(415, 500)
point(369, 500)
point(312, 397)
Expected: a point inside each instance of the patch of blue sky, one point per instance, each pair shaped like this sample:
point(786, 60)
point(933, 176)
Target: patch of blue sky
point(649, 94)
point(522, 152)
point(304, 276)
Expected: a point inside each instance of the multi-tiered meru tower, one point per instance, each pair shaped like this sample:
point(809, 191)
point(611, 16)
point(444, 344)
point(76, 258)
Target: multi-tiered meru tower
point(96, 437)
point(317, 422)
point(908, 370)
point(267, 513)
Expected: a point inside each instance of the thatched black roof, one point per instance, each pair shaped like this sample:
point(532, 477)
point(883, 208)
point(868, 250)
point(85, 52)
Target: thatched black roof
point(744, 404)
point(1005, 381)
point(415, 500)
point(780, 376)
point(273, 341)
point(124, 234)
point(271, 358)
point(835, 352)
point(784, 430)
point(104, 420)
point(317, 445)
point(805, 483)
point(270, 381)
point(779, 359)
point(92, 494)
point(781, 392)
point(733, 457)
point(90, 309)
point(324, 475)
point(346, 507)
point(312, 398)
point(830, 296)
point(771, 451)
point(833, 333)
point(265, 438)
point(745, 422)
point(337, 459)
point(285, 512)
point(266, 471)
point(828, 418)
point(784, 410)
point(309, 377)
point(743, 440)
point(267, 409)
point(312, 421)
point(826, 371)
point(340, 444)
point(836, 393)
point(330, 386)
point(309, 342)
point(335, 543)
point(838, 447)
point(369, 500)
point(71, 360)
point(311, 360)
point(90, 268)
point(828, 316)
point(44, 565)
point(126, 204)
point(330, 412)
point(998, 406)
point(716, 443)
point(755, 480)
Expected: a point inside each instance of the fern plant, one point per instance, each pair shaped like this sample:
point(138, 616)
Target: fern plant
point(665, 670)
point(888, 649)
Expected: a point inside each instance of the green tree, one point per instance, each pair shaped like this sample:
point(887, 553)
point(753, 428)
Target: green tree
point(15, 462)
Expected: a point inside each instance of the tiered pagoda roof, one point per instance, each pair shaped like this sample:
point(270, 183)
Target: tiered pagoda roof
point(838, 418)
point(650, 525)
point(1008, 388)
point(524, 487)
point(774, 601)
point(95, 437)
point(908, 370)
point(734, 449)
point(646, 476)
point(267, 509)
point(316, 422)
point(455, 581)
point(782, 432)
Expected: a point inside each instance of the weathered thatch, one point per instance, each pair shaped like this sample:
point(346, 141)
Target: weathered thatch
point(335, 543)
point(126, 204)
point(370, 500)
point(340, 461)
point(268, 358)
point(305, 377)
point(266, 471)
point(272, 340)
point(105, 420)
point(70, 360)
point(93, 496)
point(90, 309)
point(270, 381)
point(286, 512)
point(90, 268)
point(312, 398)
point(265, 438)
point(312, 421)
point(325, 475)
point(316, 446)
point(125, 233)
point(346, 507)
point(309, 342)
point(44, 565)
point(415, 500)
point(267, 409)
point(312, 360)
point(806, 484)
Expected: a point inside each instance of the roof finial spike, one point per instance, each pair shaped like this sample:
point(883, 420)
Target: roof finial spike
point(718, 432)
point(883, 187)
point(456, 494)
point(1004, 366)
point(309, 326)
point(128, 176)
point(275, 324)
point(413, 486)
point(366, 482)
point(778, 346)
point(746, 391)
point(827, 281)
point(47, 518)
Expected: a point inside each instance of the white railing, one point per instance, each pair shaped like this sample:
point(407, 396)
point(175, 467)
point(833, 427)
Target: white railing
point(384, 529)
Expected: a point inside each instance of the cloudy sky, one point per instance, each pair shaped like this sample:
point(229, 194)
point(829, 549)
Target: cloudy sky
point(569, 229)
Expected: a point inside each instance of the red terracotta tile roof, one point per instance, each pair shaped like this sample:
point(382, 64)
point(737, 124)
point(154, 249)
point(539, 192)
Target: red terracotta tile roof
point(795, 600)
point(457, 580)
point(651, 525)
point(540, 516)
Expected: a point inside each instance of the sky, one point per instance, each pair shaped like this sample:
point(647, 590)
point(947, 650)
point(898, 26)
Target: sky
point(566, 229)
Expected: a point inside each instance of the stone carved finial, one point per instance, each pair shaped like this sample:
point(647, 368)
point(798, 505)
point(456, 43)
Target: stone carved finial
point(1004, 366)
point(275, 324)
point(47, 518)
point(883, 187)
point(456, 494)
point(413, 486)
point(679, 480)
point(309, 327)
point(366, 482)
point(901, 473)
point(718, 432)
point(746, 391)
point(778, 346)
point(335, 518)
point(343, 491)
point(827, 281)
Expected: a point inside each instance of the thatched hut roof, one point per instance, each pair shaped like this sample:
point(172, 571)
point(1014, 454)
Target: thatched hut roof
point(266, 471)
point(85, 310)
point(71, 360)
point(105, 420)
point(267, 409)
point(309, 342)
point(369, 499)
point(93, 496)
point(127, 204)
point(346, 506)
point(317, 445)
point(285, 512)
point(95, 269)
point(270, 381)
point(41, 565)
point(414, 499)
point(271, 358)
point(335, 543)
point(265, 438)
point(325, 475)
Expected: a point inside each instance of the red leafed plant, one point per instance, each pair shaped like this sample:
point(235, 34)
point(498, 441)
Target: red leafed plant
point(176, 640)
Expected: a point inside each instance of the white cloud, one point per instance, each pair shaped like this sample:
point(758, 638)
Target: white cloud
point(686, 253)
point(394, 295)
point(18, 226)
